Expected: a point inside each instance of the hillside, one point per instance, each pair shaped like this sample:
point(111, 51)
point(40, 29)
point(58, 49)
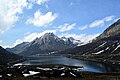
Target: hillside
point(6, 57)
point(105, 47)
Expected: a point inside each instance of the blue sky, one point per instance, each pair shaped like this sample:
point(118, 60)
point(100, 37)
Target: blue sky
point(25, 20)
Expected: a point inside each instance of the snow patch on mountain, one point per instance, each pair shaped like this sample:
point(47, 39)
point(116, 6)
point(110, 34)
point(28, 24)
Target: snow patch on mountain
point(98, 52)
point(72, 40)
point(107, 48)
point(103, 44)
point(116, 48)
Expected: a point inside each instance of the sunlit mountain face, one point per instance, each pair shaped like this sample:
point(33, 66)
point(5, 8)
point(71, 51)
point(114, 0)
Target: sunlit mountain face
point(47, 44)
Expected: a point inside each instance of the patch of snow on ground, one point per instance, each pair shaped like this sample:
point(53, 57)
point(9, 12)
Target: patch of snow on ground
point(62, 74)
point(31, 73)
point(0, 75)
point(72, 74)
point(18, 64)
point(9, 74)
point(46, 69)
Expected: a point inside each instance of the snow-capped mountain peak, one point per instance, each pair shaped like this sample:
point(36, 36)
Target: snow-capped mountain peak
point(46, 44)
point(48, 35)
point(72, 40)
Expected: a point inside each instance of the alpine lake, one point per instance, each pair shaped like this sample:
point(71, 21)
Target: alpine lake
point(88, 66)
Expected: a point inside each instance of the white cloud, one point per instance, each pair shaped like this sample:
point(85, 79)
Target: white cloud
point(83, 27)
point(27, 33)
point(8, 13)
point(40, 19)
point(40, 1)
point(109, 18)
point(97, 23)
point(66, 27)
point(82, 37)
point(28, 37)
point(10, 10)
point(31, 37)
point(29, 6)
point(101, 22)
point(3, 44)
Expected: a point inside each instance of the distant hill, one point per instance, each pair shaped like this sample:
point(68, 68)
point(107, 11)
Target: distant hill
point(6, 57)
point(46, 44)
point(104, 47)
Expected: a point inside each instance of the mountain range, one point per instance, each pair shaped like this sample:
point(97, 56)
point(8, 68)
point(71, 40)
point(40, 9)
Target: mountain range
point(106, 47)
point(46, 44)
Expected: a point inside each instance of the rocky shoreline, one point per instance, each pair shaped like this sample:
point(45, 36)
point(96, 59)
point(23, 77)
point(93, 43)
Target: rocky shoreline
point(52, 72)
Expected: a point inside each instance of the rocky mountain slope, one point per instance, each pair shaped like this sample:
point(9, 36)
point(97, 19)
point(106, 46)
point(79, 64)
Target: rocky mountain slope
point(6, 57)
point(112, 30)
point(48, 43)
point(105, 47)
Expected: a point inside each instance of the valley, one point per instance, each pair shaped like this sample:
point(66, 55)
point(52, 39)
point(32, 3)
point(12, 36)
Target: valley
point(100, 57)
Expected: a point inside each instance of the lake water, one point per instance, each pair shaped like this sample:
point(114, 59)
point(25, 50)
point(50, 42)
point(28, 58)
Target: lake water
point(88, 66)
